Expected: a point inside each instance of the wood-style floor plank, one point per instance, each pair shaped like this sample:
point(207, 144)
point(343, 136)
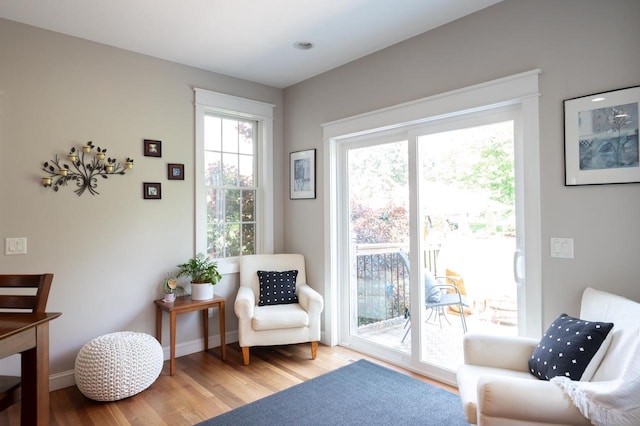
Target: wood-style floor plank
point(203, 387)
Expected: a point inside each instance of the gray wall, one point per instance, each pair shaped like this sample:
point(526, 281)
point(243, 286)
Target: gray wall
point(582, 47)
point(109, 252)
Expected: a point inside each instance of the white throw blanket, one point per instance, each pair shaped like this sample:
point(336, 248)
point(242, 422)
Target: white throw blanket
point(610, 403)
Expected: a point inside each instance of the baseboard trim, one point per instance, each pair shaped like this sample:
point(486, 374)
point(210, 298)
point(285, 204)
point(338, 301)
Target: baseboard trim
point(67, 378)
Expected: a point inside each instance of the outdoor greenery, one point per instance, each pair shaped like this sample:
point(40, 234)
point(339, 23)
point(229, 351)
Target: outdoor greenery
point(379, 197)
point(455, 167)
point(379, 191)
point(494, 172)
point(231, 220)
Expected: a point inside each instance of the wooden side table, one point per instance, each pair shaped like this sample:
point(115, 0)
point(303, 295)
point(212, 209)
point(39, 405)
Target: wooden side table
point(183, 305)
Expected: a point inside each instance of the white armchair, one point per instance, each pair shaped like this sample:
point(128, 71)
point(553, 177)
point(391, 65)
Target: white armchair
point(281, 324)
point(497, 388)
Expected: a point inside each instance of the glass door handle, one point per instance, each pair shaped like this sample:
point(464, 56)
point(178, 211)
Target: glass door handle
point(517, 255)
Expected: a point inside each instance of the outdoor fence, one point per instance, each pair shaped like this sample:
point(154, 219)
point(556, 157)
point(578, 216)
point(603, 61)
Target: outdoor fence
point(383, 281)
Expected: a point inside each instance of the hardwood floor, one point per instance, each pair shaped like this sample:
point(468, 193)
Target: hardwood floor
point(203, 387)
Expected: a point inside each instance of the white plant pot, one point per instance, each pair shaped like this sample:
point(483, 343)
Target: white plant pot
point(201, 291)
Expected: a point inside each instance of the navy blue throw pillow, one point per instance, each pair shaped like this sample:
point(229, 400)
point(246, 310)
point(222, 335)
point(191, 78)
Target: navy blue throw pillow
point(567, 347)
point(277, 287)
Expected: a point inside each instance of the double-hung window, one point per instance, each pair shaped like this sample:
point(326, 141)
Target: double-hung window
point(234, 184)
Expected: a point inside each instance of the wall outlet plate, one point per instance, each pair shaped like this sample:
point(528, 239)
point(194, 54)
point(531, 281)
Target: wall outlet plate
point(14, 246)
point(562, 248)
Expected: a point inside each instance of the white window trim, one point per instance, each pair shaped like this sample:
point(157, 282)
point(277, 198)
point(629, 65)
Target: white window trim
point(220, 103)
point(515, 89)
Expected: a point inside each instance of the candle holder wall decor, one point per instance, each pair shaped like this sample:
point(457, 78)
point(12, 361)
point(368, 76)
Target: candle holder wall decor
point(83, 166)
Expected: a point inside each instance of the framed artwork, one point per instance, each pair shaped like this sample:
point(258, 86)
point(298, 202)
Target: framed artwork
point(151, 191)
point(175, 171)
point(601, 138)
point(152, 148)
point(302, 174)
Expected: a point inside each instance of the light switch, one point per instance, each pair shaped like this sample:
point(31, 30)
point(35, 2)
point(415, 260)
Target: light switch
point(562, 248)
point(15, 246)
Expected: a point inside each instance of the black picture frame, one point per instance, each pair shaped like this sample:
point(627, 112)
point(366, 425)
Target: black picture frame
point(152, 190)
point(152, 148)
point(302, 174)
point(175, 171)
point(601, 138)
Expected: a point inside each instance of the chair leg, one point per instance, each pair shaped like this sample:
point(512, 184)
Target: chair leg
point(408, 330)
point(442, 312)
point(245, 355)
point(314, 350)
point(431, 311)
point(463, 319)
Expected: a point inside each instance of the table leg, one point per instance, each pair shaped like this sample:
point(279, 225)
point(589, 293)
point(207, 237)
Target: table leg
point(222, 331)
point(35, 380)
point(159, 324)
point(172, 338)
point(205, 328)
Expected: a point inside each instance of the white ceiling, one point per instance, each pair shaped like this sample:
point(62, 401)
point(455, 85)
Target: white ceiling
point(249, 39)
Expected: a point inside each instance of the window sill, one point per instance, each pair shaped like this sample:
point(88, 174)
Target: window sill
point(229, 266)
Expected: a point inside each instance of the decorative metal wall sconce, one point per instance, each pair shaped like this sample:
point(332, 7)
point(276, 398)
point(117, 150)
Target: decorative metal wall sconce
point(83, 166)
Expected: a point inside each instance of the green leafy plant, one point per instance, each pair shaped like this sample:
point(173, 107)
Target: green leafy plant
point(201, 269)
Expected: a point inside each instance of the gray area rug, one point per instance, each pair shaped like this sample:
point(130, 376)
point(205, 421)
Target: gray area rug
point(362, 393)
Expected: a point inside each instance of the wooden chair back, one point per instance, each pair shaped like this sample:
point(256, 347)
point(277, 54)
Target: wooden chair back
point(36, 302)
point(21, 293)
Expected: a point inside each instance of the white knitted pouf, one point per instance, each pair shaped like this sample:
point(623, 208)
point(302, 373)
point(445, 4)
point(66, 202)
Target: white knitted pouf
point(118, 365)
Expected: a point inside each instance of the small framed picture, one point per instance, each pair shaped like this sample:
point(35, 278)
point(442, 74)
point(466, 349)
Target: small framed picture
point(302, 175)
point(601, 138)
point(152, 148)
point(175, 171)
point(151, 191)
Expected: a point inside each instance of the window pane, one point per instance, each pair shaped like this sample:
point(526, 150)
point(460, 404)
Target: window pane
point(246, 170)
point(246, 133)
point(232, 205)
point(215, 240)
point(215, 207)
point(232, 237)
point(230, 169)
point(248, 206)
point(249, 238)
point(229, 135)
point(212, 133)
point(212, 169)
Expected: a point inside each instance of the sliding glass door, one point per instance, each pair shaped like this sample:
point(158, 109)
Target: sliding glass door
point(376, 217)
point(436, 199)
point(467, 219)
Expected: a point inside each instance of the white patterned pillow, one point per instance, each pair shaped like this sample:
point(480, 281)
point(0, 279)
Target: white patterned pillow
point(277, 287)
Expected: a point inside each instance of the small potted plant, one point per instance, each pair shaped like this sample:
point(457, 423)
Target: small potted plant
point(171, 289)
point(204, 275)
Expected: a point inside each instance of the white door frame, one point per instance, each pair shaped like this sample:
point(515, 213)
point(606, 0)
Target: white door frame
point(520, 89)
